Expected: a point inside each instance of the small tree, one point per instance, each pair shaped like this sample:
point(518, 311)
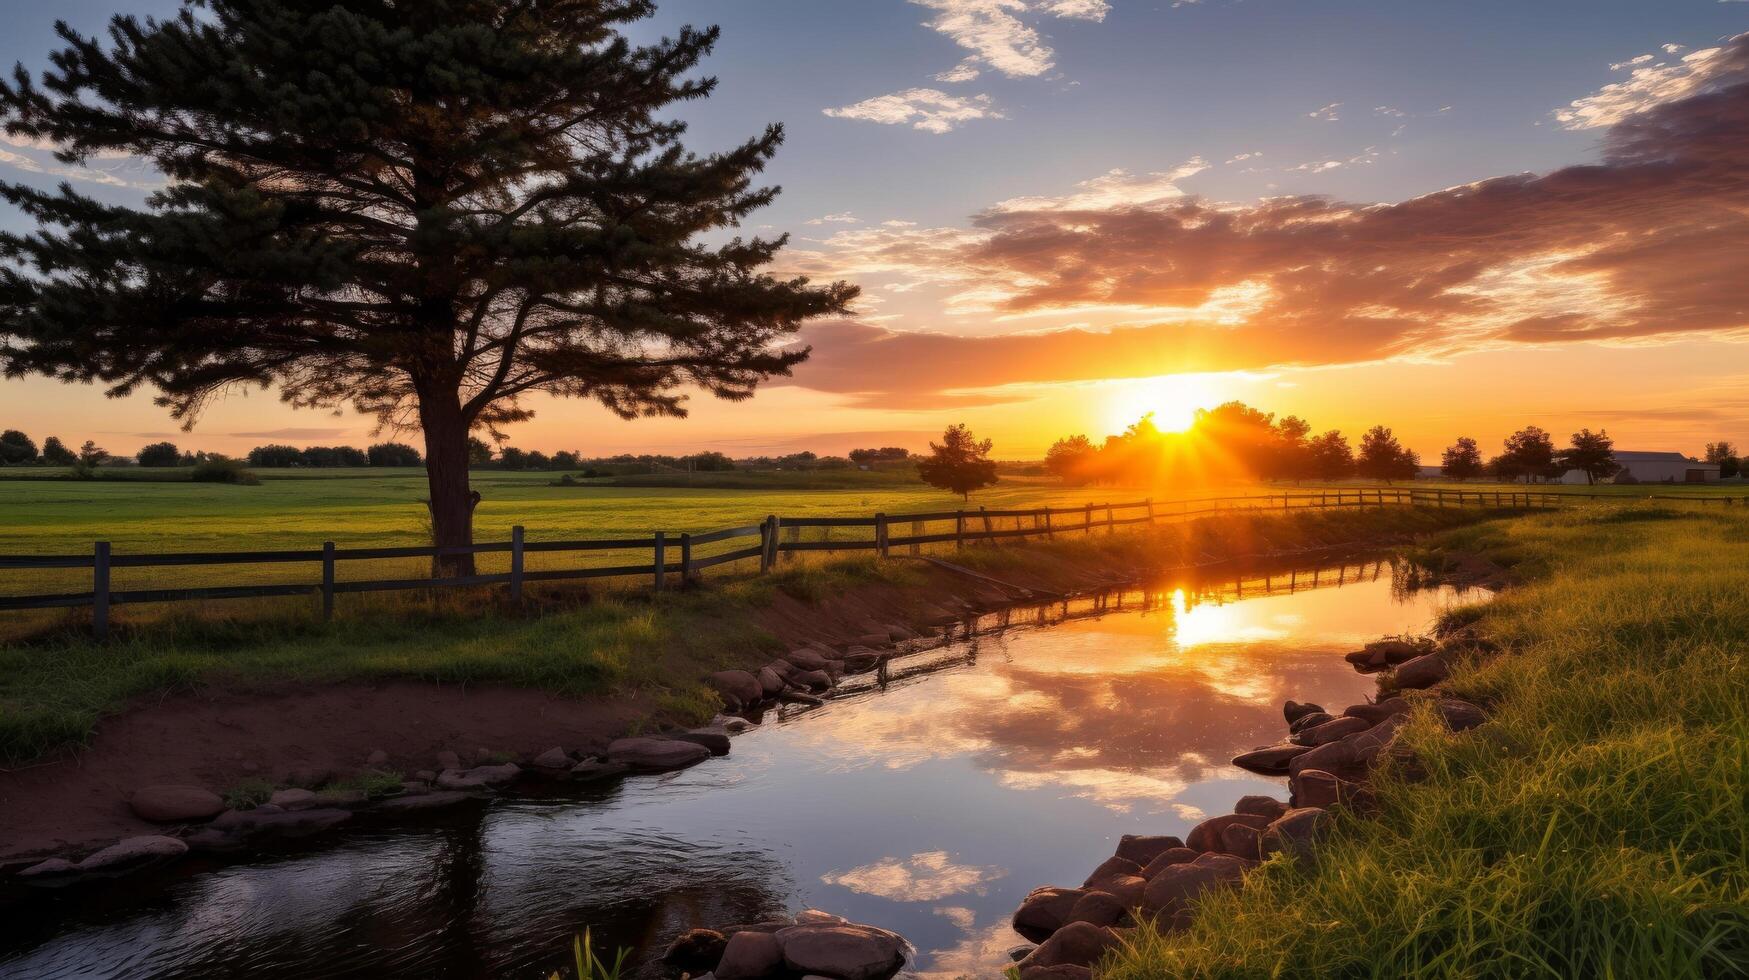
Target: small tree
point(393, 454)
point(1331, 457)
point(1530, 453)
point(1068, 459)
point(1721, 454)
point(16, 448)
point(1291, 456)
point(1382, 457)
point(479, 451)
point(56, 453)
point(1592, 453)
point(1462, 460)
point(159, 454)
point(960, 463)
point(92, 454)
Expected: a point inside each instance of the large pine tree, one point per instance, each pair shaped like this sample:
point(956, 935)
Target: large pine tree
point(424, 209)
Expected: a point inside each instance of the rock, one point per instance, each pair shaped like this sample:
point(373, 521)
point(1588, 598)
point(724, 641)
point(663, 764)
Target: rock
point(1271, 760)
point(1206, 836)
point(1061, 971)
point(553, 758)
point(1393, 651)
point(1045, 910)
point(51, 871)
point(175, 804)
point(131, 854)
point(1424, 671)
point(834, 669)
point(1143, 850)
point(1018, 953)
point(812, 680)
point(1375, 713)
point(695, 951)
point(1293, 710)
point(1459, 716)
point(1127, 889)
point(1240, 840)
point(1076, 944)
point(1365, 661)
point(1166, 859)
point(482, 756)
point(845, 951)
point(1171, 893)
point(376, 760)
point(292, 799)
point(806, 660)
point(479, 777)
point(749, 955)
point(738, 688)
point(594, 770)
point(1267, 807)
point(1309, 721)
point(871, 640)
point(1337, 757)
point(424, 801)
point(448, 760)
point(1112, 868)
point(656, 754)
point(716, 742)
point(1294, 832)
point(261, 824)
point(1098, 908)
point(734, 725)
point(1315, 787)
point(816, 917)
point(425, 775)
point(859, 660)
point(414, 787)
point(797, 697)
point(1331, 730)
point(771, 683)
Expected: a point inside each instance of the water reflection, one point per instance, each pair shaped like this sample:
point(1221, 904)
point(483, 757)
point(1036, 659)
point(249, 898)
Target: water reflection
point(928, 804)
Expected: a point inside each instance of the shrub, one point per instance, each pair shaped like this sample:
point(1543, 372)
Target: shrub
point(224, 471)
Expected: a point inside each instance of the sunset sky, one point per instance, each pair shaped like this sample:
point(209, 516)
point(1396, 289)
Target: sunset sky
point(1454, 219)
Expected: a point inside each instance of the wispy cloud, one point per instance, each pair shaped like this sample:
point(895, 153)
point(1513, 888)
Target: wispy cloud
point(1652, 82)
point(928, 109)
point(839, 218)
point(1329, 113)
point(119, 170)
point(1112, 189)
point(997, 36)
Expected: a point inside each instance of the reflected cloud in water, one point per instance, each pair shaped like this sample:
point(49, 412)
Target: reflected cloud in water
point(924, 877)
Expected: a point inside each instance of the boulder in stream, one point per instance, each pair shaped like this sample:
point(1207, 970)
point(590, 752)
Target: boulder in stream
point(842, 950)
point(1271, 760)
point(175, 804)
point(1045, 910)
point(655, 754)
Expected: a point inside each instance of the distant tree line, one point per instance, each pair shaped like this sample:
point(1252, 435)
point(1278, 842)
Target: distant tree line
point(1232, 440)
point(1235, 440)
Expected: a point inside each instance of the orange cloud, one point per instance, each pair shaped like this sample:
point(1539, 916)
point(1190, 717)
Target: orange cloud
point(1646, 245)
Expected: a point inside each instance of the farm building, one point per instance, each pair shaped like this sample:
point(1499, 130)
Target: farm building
point(1655, 468)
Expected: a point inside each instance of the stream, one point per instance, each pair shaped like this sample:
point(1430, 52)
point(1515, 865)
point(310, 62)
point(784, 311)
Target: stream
point(929, 805)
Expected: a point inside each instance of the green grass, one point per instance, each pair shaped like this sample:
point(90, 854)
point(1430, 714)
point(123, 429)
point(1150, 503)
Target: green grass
point(1597, 826)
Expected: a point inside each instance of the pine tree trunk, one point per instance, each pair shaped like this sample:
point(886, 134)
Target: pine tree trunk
point(446, 472)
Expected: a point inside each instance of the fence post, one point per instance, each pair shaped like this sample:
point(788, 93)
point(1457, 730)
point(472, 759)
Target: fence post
point(881, 535)
point(516, 563)
point(767, 542)
point(685, 558)
point(1087, 521)
point(327, 581)
point(1050, 533)
point(661, 558)
point(1110, 523)
point(1150, 503)
point(100, 589)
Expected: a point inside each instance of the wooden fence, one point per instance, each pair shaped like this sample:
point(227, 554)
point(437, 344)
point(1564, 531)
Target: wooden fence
point(671, 554)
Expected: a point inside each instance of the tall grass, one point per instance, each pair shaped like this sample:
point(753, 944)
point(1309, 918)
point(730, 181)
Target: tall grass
point(1597, 826)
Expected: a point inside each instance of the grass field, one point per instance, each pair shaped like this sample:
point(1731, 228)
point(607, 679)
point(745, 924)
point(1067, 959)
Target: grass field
point(1597, 826)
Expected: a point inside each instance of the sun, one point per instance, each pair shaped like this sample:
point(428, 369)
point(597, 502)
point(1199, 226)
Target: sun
point(1172, 399)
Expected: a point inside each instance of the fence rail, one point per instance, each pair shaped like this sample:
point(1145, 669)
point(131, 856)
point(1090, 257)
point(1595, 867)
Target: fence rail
point(778, 539)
